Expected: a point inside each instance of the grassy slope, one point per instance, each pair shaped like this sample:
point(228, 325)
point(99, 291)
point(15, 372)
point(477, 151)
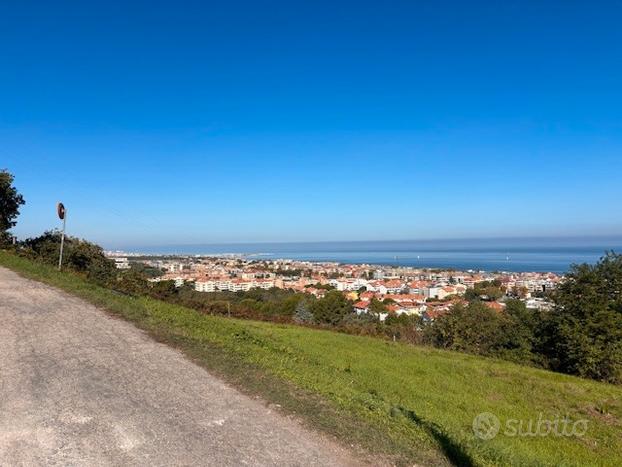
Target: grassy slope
point(415, 403)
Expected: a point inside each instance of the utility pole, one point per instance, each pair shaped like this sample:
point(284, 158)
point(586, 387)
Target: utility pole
point(62, 215)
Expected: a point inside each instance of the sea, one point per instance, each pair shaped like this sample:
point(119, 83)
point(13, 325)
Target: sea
point(492, 254)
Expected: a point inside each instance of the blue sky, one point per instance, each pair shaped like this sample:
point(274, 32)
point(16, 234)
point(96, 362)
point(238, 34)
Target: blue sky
point(199, 122)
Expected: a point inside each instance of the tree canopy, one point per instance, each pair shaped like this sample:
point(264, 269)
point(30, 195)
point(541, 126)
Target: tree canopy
point(332, 308)
point(10, 201)
point(582, 335)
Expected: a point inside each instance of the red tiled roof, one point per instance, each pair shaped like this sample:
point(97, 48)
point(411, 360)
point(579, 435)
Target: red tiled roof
point(495, 306)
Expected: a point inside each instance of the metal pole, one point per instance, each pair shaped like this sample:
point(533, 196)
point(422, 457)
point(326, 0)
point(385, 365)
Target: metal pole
point(62, 241)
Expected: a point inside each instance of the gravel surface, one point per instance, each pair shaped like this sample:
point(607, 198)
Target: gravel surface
point(78, 387)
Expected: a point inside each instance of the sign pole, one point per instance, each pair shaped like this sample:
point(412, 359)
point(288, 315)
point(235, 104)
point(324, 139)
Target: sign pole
point(62, 213)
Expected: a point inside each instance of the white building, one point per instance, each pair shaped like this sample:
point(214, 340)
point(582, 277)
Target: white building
point(121, 263)
point(232, 285)
point(348, 284)
point(205, 286)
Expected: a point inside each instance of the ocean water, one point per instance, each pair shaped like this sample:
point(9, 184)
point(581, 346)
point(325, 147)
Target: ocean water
point(516, 255)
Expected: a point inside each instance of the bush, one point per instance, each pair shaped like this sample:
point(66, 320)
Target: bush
point(478, 329)
point(303, 314)
point(78, 255)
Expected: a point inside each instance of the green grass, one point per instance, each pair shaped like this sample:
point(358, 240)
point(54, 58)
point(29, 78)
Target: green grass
point(405, 403)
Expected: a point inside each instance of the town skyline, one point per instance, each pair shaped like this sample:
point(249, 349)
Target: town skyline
point(411, 290)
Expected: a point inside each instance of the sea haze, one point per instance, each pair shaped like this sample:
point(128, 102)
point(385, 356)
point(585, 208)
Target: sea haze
point(508, 254)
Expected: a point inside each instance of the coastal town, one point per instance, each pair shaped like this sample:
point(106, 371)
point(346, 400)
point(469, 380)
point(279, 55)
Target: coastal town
point(325, 234)
point(404, 290)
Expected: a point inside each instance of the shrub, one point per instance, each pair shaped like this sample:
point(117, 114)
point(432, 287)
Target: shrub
point(78, 255)
point(303, 314)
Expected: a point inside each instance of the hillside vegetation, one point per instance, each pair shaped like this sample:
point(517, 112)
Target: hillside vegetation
point(581, 334)
point(405, 403)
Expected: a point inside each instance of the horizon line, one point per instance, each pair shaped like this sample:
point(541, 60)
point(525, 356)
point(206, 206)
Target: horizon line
point(617, 236)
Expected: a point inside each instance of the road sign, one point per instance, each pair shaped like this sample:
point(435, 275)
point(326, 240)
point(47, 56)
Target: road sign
point(62, 215)
point(60, 209)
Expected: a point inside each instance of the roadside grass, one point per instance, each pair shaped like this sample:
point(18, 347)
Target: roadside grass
point(401, 403)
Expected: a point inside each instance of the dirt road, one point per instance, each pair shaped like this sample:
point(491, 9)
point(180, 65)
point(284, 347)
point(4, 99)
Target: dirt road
point(81, 388)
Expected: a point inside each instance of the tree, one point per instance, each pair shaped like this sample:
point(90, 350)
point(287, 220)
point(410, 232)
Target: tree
point(148, 271)
point(474, 328)
point(519, 333)
point(303, 315)
point(477, 328)
point(10, 201)
point(376, 307)
point(582, 335)
point(404, 327)
point(332, 308)
point(485, 290)
point(520, 292)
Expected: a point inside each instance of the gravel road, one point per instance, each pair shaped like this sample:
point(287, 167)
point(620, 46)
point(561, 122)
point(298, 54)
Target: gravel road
point(78, 387)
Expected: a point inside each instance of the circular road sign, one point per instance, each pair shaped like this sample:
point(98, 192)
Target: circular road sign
point(60, 209)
